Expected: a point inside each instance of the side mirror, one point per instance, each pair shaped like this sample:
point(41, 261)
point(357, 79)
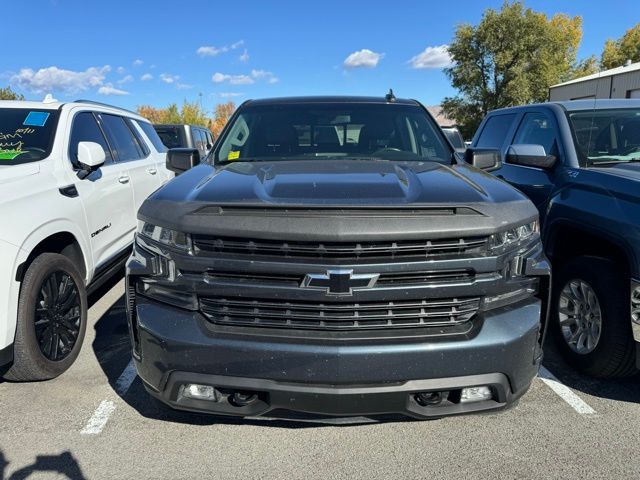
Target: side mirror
point(180, 160)
point(530, 156)
point(91, 156)
point(483, 158)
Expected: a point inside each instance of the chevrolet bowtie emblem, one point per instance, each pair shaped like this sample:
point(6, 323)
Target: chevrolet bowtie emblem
point(339, 282)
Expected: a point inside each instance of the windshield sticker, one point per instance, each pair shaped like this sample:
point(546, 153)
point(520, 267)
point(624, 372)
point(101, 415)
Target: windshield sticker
point(12, 142)
point(233, 155)
point(36, 119)
point(9, 154)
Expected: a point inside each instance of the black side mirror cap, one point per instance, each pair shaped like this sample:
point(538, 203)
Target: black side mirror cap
point(487, 159)
point(179, 160)
point(530, 156)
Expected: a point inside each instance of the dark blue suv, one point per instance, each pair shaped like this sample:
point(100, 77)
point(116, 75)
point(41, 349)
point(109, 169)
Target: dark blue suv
point(579, 162)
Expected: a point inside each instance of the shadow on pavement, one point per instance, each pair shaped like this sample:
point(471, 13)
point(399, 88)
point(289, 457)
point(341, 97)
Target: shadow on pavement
point(63, 464)
point(618, 389)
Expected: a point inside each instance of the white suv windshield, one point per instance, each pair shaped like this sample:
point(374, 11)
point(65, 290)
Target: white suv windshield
point(606, 136)
point(308, 131)
point(25, 135)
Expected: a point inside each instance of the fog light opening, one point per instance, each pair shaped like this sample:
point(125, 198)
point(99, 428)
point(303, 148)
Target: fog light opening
point(242, 399)
point(429, 399)
point(199, 392)
point(475, 394)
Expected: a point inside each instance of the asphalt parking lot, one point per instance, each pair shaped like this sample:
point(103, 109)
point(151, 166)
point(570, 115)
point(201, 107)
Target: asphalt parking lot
point(96, 421)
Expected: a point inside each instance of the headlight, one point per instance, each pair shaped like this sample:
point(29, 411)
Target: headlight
point(165, 236)
point(513, 236)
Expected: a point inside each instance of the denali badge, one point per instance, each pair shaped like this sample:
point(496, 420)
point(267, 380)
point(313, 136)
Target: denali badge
point(339, 282)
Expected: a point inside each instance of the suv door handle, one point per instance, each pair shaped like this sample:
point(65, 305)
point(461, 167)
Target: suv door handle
point(152, 171)
point(123, 179)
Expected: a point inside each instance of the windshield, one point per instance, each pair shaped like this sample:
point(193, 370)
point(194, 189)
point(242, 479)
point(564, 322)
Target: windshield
point(170, 136)
point(606, 136)
point(333, 130)
point(25, 135)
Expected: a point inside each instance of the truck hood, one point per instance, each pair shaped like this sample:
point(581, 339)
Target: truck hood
point(9, 173)
point(334, 186)
point(626, 170)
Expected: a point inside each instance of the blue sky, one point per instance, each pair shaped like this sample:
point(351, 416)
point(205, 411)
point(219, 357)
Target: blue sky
point(132, 52)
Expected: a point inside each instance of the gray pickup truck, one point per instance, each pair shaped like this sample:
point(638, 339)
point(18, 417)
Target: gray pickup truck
point(335, 255)
point(579, 162)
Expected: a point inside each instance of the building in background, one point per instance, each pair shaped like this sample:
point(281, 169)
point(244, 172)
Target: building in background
point(619, 82)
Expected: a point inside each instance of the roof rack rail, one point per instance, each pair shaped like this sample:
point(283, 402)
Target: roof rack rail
point(102, 104)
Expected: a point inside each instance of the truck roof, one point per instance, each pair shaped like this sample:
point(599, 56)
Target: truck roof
point(587, 104)
point(328, 99)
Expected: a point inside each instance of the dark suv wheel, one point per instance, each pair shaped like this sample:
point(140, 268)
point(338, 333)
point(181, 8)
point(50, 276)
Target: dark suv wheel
point(591, 317)
point(52, 319)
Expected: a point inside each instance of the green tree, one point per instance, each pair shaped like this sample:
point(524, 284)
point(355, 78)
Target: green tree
point(627, 47)
point(511, 57)
point(193, 114)
point(8, 94)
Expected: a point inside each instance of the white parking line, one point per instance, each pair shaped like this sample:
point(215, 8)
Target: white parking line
point(565, 393)
point(99, 418)
point(126, 378)
point(106, 408)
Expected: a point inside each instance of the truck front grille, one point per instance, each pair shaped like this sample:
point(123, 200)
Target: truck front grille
point(339, 250)
point(340, 316)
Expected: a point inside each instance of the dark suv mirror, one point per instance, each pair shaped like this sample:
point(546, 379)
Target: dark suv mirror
point(483, 158)
point(180, 160)
point(530, 156)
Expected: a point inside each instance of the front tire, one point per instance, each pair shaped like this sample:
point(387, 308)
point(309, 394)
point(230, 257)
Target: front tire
point(590, 317)
point(51, 321)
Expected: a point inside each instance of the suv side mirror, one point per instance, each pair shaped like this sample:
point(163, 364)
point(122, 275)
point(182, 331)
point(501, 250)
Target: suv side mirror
point(530, 155)
point(180, 160)
point(483, 158)
point(91, 156)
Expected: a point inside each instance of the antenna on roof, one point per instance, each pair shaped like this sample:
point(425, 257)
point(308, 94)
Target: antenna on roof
point(390, 97)
point(48, 98)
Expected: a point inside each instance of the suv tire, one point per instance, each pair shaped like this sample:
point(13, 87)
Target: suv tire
point(614, 352)
point(53, 296)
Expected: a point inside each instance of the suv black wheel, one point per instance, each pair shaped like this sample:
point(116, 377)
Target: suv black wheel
point(52, 319)
point(591, 317)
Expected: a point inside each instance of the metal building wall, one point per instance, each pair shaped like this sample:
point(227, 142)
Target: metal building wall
point(613, 86)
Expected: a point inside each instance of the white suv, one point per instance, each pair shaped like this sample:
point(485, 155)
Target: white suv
point(72, 176)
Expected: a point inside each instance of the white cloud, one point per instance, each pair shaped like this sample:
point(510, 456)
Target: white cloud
point(125, 79)
point(432, 57)
point(146, 77)
point(183, 86)
point(243, 79)
point(211, 51)
point(120, 70)
point(363, 58)
point(54, 79)
point(230, 94)
point(232, 79)
point(137, 62)
point(244, 57)
point(167, 78)
point(109, 89)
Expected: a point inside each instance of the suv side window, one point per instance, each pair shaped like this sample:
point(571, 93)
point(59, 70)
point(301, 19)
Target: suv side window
point(198, 141)
point(495, 131)
point(85, 128)
point(122, 140)
point(536, 128)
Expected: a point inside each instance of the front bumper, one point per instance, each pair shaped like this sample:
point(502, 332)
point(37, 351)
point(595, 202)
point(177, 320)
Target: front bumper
point(328, 375)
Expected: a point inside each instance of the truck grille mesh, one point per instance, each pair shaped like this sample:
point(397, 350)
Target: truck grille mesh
point(339, 250)
point(340, 316)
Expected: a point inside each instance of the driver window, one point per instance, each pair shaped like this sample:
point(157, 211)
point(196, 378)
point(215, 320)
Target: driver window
point(537, 129)
point(86, 129)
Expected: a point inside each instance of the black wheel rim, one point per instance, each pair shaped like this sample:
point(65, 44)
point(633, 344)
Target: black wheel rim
point(57, 318)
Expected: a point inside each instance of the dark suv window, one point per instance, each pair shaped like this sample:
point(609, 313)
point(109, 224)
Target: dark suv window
point(536, 128)
point(121, 138)
point(151, 133)
point(26, 135)
point(495, 131)
point(86, 129)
